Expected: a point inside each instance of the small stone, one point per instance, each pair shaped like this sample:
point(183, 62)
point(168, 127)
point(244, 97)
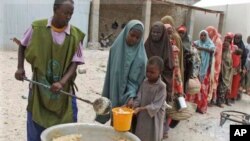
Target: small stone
point(82, 71)
point(24, 97)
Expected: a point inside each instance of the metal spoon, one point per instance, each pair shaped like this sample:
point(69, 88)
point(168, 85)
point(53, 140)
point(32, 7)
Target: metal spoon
point(102, 105)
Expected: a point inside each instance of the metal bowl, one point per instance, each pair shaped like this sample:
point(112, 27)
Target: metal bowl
point(89, 132)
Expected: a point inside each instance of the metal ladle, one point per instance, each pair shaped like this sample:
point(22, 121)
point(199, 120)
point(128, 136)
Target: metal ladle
point(102, 105)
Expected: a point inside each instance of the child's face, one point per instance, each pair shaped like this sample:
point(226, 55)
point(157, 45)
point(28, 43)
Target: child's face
point(203, 36)
point(156, 33)
point(133, 37)
point(153, 73)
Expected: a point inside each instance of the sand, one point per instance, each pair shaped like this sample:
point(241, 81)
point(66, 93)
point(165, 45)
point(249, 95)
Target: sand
point(13, 94)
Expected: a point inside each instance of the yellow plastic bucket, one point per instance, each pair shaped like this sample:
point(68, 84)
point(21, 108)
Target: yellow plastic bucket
point(122, 118)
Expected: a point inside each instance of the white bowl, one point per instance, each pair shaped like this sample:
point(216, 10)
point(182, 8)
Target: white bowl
point(89, 132)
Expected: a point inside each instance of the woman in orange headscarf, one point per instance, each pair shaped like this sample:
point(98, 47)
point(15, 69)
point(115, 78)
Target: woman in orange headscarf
point(216, 64)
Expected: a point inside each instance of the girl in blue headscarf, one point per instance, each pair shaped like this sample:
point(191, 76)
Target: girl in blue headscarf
point(206, 48)
point(126, 67)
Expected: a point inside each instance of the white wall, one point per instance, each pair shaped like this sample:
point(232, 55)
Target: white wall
point(248, 22)
point(202, 20)
point(236, 19)
point(17, 15)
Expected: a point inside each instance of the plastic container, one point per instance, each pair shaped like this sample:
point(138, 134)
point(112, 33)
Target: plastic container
point(122, 118)
point(181, 103)
point(89, 132)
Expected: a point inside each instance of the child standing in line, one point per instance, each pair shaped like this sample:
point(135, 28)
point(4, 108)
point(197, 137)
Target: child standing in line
point(149, 104)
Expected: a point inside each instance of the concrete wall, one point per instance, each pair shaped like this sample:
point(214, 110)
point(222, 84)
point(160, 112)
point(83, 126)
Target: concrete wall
point(17, 16)
point(160, 10)
point(123, 11)
point(119, 12)
point(236, 20)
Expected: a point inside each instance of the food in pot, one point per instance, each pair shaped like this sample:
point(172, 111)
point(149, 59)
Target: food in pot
point(72, 137)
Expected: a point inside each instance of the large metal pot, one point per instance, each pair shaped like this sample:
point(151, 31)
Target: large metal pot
point(89, 132)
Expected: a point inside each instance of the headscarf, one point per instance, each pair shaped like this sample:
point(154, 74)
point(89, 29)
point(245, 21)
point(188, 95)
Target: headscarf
point(126, 67)
point(233, 48)
point(226, 67)
point(182, 28)
point(242, 47)
point(172, 40)
point(216, 61)
point(163, 49)
point(168, 20)
point(167, 26)
point(186, 44)
point(188, 61)
point(205, 56)
point(215, 33)
point(230, 35)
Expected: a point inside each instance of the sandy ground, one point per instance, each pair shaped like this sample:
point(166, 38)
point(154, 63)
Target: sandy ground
point(13, 103)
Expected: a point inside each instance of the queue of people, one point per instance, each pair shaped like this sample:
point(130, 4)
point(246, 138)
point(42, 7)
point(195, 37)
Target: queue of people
point(142, 76)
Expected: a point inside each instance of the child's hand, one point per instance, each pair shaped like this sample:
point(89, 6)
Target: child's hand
point(137, 110)
point(130, 103)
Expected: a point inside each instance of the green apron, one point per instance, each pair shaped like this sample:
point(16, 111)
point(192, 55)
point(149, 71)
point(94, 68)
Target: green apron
point(49, 63)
